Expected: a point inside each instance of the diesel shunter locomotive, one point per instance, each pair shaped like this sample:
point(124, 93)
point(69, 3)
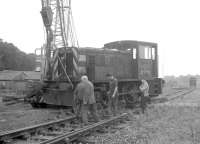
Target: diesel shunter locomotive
point(129, 61)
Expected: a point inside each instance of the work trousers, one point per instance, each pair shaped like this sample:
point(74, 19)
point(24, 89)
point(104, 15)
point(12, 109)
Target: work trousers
point(85, 108)
point(113, 105)
point(143, 102)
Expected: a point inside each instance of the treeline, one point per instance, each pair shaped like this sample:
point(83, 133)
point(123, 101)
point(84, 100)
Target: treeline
point(14, 59)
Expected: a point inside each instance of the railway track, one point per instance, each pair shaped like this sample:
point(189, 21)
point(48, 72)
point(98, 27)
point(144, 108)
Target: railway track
point(60, 131)
point(64, 130)
point(180, 94)
point(166, 99)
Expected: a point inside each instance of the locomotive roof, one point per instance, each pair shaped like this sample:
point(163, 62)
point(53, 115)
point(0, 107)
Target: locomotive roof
point(126, 44)
point(103, 50)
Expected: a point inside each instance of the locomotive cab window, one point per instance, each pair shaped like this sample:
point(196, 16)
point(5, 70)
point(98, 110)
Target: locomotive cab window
point(82, 69)
point(134, 53)
point(82, 58)
point(141, 52)
point(107, 60)
point(146, 52)
point(153, 52)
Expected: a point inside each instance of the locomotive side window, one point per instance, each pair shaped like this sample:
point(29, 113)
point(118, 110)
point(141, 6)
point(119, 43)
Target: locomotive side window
point(107, 60)
point(82, 69)
point(153, 52)
point(134, 53)
point(142, 52)
point(82, 58)
point(147, 53)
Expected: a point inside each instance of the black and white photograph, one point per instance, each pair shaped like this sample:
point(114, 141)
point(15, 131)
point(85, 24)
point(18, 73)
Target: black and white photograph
point(99, 72)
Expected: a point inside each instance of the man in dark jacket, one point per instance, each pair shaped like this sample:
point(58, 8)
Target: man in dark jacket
point(84, 94)
point(112, 94)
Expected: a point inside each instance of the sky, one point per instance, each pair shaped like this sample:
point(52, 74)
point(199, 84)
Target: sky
point(173, 24)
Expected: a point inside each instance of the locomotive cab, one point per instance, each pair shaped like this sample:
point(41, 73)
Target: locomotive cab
point(148, 66)
point(144, 62)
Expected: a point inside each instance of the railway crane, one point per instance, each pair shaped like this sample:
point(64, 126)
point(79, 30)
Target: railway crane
point(58, 56)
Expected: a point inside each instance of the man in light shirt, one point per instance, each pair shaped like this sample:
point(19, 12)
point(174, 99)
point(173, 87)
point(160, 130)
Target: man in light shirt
point(144, 93)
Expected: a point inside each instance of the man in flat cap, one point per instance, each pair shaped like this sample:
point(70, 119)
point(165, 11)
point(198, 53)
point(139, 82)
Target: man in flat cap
point(84, 93)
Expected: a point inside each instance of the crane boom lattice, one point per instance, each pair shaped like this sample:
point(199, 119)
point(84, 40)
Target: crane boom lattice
point(60, 40)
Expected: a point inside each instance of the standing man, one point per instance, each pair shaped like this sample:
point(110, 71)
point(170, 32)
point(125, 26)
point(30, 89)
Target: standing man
point(144, 93)
point(112, 94)
point(84, 96)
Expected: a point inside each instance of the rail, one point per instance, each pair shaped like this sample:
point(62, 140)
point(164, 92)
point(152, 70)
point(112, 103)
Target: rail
point(71, 136)
point(171, 96)
point(181, 94)
point(15, 133)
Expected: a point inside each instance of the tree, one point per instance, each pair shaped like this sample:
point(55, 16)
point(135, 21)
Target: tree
point(12, 58)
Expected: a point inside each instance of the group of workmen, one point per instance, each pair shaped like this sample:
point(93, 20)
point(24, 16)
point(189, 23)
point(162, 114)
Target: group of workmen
point(85, 98)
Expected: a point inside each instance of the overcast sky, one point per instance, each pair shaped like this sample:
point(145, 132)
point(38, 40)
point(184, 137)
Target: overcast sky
point(173, 24)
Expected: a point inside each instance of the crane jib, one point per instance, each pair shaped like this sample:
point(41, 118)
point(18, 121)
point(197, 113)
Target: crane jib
point(58, 22)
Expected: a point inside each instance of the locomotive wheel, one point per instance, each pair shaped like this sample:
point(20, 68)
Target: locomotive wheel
point(122, 104)
point(38, 105)
point(99, 102)
point(131, 100)
point(34, 105)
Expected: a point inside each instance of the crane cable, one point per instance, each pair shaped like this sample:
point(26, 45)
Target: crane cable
point(65, 72)
point(74, 28)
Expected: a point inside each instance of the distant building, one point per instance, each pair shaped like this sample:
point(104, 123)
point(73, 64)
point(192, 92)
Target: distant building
point(16, 81)
point(7, 75)
point(193, 82)
point(32, 75)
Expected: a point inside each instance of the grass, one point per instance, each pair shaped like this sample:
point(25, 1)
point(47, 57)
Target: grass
point(159, 125)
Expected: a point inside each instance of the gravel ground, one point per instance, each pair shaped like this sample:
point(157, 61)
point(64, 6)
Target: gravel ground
point(159, 125)
point(166, 124)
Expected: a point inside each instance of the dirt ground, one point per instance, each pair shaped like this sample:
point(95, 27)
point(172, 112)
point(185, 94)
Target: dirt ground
point(22, 115)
